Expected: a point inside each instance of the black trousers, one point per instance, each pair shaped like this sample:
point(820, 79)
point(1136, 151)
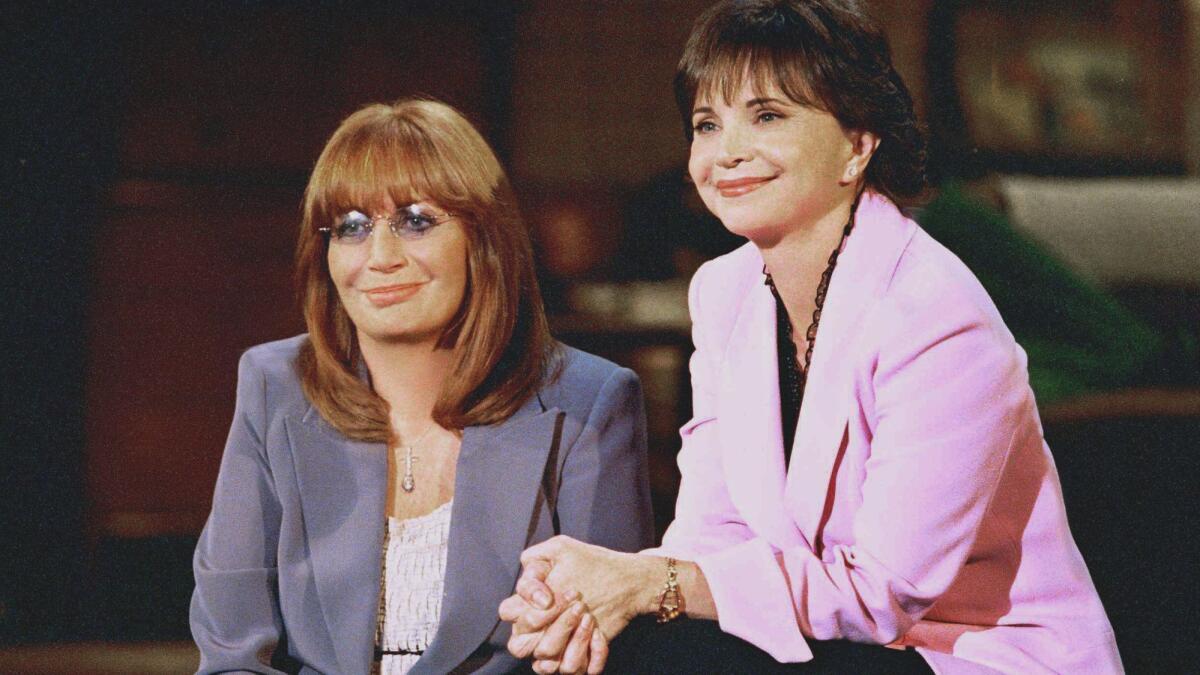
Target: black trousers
point(698, 646)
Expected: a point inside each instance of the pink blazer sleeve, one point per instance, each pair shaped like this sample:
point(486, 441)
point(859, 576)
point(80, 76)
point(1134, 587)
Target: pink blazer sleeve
point(938, 402)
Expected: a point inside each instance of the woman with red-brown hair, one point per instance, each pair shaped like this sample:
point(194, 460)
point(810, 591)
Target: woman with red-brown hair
point(385, 470)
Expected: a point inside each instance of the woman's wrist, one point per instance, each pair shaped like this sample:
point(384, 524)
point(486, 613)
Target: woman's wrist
point(651, 579)
point(658, 596)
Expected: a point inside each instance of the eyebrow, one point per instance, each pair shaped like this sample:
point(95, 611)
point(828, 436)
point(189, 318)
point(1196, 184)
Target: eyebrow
point(752, 103)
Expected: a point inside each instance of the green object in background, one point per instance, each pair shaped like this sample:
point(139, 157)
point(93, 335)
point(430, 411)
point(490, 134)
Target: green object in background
point(1078, 338)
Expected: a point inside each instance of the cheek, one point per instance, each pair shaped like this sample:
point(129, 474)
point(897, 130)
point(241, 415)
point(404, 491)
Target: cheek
point(699, 166)
point(450, 264)
point(343, 268)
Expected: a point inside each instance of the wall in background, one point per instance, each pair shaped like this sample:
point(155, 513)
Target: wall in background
point(592, 97)
point(1193, 78)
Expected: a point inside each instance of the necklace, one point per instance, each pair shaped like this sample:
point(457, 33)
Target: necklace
point(408, 483)
point(792, 379)
point(822, 290)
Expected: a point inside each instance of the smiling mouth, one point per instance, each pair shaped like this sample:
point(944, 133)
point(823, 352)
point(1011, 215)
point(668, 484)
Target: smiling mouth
point(390, 295)
point(741, 186)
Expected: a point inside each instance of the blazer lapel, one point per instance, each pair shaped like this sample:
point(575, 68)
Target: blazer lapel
point(342, 487)
point(496, 511)
point(859, 280)
point(751, 440)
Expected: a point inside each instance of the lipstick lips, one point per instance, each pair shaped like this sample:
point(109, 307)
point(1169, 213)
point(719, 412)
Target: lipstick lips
point(390, 295)
point(740, 186)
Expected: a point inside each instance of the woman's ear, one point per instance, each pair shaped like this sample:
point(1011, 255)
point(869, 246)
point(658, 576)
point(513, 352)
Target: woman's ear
point(862, 146)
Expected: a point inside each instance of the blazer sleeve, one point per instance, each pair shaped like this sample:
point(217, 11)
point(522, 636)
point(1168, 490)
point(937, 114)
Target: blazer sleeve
point(604, 493)
point(705, 518)
point(235, 616)
point(949, 399)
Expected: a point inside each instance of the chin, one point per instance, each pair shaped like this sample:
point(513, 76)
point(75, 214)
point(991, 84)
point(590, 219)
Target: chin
point(406, 335)
point(748, 218)
point(750, 226)
point(405, 328)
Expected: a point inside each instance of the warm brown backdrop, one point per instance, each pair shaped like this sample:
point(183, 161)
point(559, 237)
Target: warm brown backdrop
point(158, 156)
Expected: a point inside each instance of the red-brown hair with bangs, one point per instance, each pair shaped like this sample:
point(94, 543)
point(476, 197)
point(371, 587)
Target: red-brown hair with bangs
point(827, 54)
point(424, 150)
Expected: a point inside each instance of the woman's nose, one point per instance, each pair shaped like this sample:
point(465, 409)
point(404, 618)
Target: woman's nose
point(387, 250)
point(735, 146)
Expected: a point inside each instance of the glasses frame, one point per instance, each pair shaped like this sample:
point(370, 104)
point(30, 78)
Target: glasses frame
point(394, 222)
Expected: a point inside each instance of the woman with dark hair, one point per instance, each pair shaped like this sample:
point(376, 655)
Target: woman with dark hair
point(384, 471)
point(865, 486)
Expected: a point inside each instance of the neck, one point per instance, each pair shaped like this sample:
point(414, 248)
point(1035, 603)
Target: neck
point(797, 258)
point(409, 376)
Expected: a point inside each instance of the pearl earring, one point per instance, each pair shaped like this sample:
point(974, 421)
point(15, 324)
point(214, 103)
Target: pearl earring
point(853, 171)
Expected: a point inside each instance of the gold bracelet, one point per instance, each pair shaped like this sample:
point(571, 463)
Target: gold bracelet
point(669, 602)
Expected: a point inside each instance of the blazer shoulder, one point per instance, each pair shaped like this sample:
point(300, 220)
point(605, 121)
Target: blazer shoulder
point(277, 351)
point(719, 287)
point(581, 379)
point(930, 272)
point(741, 266)
point(931, 286)
point(272, 366)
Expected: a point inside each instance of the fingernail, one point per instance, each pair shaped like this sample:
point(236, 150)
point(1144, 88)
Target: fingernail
point(571, 595)
point(577, 608)
point(586, 621)
point(543, 600)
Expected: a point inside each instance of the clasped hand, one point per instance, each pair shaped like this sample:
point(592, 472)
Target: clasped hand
point(570, 600)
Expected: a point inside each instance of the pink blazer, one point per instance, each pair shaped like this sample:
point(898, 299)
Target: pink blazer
point(922, 506)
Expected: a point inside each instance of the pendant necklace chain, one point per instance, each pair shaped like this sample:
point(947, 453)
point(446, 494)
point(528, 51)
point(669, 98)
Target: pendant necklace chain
point(408, 483)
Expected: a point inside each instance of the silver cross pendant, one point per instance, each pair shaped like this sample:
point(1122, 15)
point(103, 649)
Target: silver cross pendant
point(408, 483)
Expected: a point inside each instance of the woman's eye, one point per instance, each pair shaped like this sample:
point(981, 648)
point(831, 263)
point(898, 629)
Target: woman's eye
point(705, 127)
point(416, 224)
point(353, 225)
point(768, 116)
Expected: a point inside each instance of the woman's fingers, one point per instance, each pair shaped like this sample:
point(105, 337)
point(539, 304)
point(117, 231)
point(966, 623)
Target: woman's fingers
point(512, 608)
point(575, 656)
point(532, 584)
point(598, 653)
point(534, 619)
point(522, 645)
point(521, 642)
point(555, 637)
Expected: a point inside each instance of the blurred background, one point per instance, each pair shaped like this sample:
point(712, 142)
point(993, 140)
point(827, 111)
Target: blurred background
point(155, 157)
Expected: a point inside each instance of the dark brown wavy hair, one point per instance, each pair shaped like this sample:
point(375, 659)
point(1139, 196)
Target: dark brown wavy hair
point(828, 54)
point(413, 150)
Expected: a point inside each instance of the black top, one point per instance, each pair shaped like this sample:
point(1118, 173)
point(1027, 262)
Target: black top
point(791, 378)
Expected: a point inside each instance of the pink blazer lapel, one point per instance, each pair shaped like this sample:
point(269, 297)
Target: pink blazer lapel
point(864, 268)
point(749, 432)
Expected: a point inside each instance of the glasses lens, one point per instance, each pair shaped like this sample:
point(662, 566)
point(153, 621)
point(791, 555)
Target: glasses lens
point(415, 221)
point(352, 228)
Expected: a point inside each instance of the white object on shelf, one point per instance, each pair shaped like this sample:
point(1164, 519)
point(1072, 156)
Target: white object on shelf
point(1113, 230)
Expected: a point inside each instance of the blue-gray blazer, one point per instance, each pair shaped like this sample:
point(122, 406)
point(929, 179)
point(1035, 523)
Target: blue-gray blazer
point(288, 565)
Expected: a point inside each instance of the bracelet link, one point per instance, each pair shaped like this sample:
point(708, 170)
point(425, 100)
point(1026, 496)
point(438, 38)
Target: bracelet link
point(669, 602)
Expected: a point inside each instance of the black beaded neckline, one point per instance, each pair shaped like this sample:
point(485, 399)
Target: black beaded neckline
point(793, 378)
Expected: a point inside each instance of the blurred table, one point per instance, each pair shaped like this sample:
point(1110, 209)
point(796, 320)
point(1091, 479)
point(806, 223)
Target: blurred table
point(101, 658)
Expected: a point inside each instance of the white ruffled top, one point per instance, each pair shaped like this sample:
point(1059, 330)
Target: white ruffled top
point(414, 572)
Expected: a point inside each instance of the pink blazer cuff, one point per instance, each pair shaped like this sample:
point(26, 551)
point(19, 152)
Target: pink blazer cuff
point(753, 601)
